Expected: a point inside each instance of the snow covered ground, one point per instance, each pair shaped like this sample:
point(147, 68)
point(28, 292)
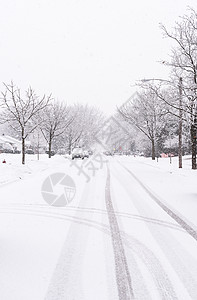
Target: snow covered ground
point(129, 233)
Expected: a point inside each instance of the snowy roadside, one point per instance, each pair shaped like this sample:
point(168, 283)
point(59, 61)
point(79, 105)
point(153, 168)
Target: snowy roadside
point(175, 186)
point(13, 170)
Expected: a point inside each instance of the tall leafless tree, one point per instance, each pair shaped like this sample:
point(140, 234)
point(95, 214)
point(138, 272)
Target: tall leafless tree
point(184, 63)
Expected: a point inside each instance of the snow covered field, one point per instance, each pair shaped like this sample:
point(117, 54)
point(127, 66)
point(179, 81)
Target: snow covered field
point(129, 233)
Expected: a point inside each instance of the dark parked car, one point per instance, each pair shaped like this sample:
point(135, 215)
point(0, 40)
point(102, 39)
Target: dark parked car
point(52, 152)
point(17, 151)
point(29, 151)
point(108, 153)
point(7, 151)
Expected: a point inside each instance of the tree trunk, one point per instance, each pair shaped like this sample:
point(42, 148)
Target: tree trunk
point(50, 144)
point(153, 149)
point(193, 144)
point(69, 146)
point(180, 143)
point(23, 147)
point(180, 123)
point(38, 147)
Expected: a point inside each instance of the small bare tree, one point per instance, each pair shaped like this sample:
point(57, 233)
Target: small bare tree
point(170, 93)
point(146, 113)
point(87, 121)
point(56, 118)
point(21, 112)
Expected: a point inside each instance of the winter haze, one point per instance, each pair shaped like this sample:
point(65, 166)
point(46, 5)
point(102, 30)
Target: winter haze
point(85, 51)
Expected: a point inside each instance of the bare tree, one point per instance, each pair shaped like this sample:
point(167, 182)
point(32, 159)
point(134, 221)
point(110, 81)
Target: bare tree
point(21, 112)
point(57, 118)
point(73, 133)
point(170, 93)
point(93, 120)
point(147, 114)
point(87, 121)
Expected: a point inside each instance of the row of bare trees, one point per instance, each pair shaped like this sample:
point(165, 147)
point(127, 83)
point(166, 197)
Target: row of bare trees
point(68, 126)
point(160, 102)
point(183, 64)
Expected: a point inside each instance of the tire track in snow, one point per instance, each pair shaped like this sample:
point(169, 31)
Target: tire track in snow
point(132, 244)
point(66, 283)
point(123, 278)
point(183, 264)
point(43, 210)
point(161, 280)
point(169, 211)
point(148, 258)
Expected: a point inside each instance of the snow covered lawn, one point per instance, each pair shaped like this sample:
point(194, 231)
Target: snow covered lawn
point(177, 187)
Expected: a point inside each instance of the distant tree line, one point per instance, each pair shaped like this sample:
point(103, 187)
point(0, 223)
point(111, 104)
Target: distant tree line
point(61, 125)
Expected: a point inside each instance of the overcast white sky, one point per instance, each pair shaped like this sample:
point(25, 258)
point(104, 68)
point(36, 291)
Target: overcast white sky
point(88, 51)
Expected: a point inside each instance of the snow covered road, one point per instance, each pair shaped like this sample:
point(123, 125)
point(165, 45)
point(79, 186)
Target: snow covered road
point(122, 237)
point(158, 243)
